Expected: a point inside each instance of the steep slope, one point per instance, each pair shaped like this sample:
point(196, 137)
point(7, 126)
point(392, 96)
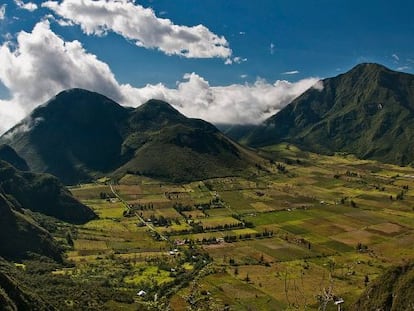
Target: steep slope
point(392, 291)
point(20, 234)
point(73, 136)
point(8, 154)
point(368, 111)
point(42, 193)
point(165, 144)
point(15, 296)
point(80, 135)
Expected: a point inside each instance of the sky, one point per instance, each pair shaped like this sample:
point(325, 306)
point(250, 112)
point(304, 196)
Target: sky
point(226, 61)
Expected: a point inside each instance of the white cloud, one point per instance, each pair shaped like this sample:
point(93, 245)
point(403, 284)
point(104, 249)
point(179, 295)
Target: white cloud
point(29, 6)
point(142, 26)
point(239, 60)
point(10, 113)
point(272, 48)
point(237, 103)
point(3, 11)
point(318, 85)
point(43, 64)
point(243, 76)
point(235, 60)
point(293, 72)
point(396, 57)
point(403, 68)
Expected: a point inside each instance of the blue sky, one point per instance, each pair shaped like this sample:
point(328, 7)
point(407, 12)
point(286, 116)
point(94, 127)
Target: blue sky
point(265, 41)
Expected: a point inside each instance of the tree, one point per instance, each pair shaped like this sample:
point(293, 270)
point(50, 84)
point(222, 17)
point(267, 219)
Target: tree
point(247, 278)
point(366, 280)
point(69, 239)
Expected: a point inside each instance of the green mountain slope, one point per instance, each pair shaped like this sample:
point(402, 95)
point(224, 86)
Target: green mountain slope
point(165, 144)
point(21, 235)
point(72, 136)
point(15, 296)
point(79, 135)
point(368, 111)
point(42, 193)
point(392, 291)
point(8, 154)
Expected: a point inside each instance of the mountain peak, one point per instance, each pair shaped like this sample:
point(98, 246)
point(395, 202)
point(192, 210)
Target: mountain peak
point(372, 70)
point(79, 135)
point(156, 106)
point(76, 98)
point(367, 111)
point(369, 66)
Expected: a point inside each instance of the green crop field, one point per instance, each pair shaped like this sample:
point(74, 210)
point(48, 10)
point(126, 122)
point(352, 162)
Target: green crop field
point(270, 242)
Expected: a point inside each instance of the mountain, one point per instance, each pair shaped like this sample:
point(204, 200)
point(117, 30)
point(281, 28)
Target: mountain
point(20, 191)
point(42, 193)
point(8, 154)
point(161, 142)
point(237, 132)
point(72, 136)
point(368, 111)
point(21, 235)
point(79, 135)
point(392, 291)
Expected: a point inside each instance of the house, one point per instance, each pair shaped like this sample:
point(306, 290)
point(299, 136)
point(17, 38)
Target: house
point(338, 302)
point(179, 242)
point(141, 293)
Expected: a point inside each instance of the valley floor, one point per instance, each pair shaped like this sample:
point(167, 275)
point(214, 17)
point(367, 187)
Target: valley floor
point(303, 230)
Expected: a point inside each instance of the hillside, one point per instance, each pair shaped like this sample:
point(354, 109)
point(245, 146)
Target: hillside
point(8, 154)
point(368, 111)
point(165, 144)
point(392, 291)
point(72, 136)
point(89, 135)
point(15, 296)
point(42, 193)
point(21, 235)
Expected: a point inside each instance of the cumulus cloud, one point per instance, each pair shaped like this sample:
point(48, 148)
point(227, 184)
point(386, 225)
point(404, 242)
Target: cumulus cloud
point(10, 113)
point(142, 26)
point(29, 6)
point(233, 104)
point(43, 64)
point(3, 11)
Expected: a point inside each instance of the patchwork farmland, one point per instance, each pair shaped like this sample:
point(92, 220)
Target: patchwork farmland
point(301, 225)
